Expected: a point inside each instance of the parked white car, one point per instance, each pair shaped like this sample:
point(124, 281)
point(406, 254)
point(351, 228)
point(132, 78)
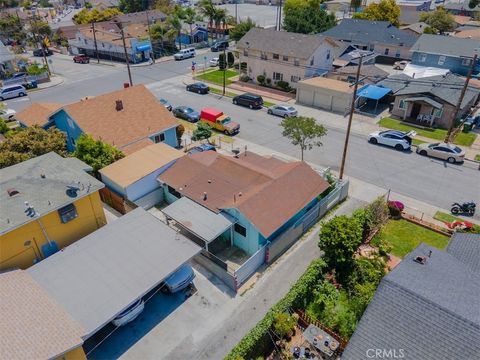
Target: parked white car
point(400, 65)
point(129, 314)
point(282, 110)
point(180, 279)
point(396, 139)
point(214, 61)
point(7, 114)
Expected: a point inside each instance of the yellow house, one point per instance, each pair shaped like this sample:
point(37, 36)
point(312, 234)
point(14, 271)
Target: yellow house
point(35, 326)
point(46, 203)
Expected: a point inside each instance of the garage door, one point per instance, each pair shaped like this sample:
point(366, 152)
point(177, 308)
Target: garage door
point(305, 97)
point(322, 101)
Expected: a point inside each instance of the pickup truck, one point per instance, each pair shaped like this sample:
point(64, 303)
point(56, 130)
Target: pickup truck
point(219, 121)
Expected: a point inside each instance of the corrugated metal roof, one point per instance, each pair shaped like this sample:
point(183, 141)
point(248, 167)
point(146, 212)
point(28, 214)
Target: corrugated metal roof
point(198, 219)
point(100, 275)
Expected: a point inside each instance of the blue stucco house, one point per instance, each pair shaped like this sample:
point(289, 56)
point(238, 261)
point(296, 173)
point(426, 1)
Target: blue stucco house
point(257, 198)
point(129, 119)
point(446, 52)
point(197, 34)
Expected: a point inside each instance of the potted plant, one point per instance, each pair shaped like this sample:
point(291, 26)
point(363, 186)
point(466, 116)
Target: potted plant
point(284, 325)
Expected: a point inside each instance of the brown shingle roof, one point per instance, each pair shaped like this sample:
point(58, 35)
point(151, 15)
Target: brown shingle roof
point(33, 326)
point(109, 32)
point(132, 168)
point(266, 190)
point(142, 116)
point(37, 113)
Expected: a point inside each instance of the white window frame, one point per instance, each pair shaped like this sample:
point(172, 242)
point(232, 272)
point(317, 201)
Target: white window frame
point(422, 57)
point(277, 76)
point(441, 59)
point(466, 61)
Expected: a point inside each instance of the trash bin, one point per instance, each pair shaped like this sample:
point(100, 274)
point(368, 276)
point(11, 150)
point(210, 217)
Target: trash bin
point(467, 126)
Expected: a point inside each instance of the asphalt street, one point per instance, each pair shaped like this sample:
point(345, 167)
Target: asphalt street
point(431, 181)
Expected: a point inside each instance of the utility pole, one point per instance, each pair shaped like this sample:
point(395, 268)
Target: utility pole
point(95, 42)
point(451, 129)
point(150, 36)
point(35, 36)
point(236, 13)
point(225, 62)
point(120, 26)
point(280, 16)
point(350, 117)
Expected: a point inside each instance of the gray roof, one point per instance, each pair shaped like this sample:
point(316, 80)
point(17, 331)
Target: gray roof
point(445, 45)
point(370, 32)
point(428, 311)
point(418, 27)
point(369, 70)
point(444, 87)
point(141, 17)
point(425, 99)
point(198, 219)
point(5, 53)
point(97, 277)
point(456, 5)
point(409, 14)
point(301, 46)
point(466, 248)
point(43, 182)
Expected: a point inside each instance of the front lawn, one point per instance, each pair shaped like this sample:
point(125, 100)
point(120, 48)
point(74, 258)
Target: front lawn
point(268, 104)
point(477, 157)
point(220, 92)
point(216, 76)
point(405, 236)
point(465, 139)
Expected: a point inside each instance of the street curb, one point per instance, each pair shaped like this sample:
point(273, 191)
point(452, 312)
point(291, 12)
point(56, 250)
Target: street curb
point(46, 88)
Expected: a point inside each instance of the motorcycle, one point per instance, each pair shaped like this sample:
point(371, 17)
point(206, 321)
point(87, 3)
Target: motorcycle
point(465, 208)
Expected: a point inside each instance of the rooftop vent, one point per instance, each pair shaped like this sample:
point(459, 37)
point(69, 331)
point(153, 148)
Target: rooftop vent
point(421, 260)
point(118, 105)
point(42, 176)
point(204, 196)
point(72, 190)
point(12, 192)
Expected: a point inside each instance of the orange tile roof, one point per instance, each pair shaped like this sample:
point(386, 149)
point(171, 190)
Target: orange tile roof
point(266, 190)
point(142, 116)
point(33, 326)
point(37, 113)
point(469, 34)
point(132, 168)
point(461, 20)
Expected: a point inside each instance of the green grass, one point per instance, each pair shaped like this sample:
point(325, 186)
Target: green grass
point(268, 103)
point(417, 142)
point(405, 236)
point(444, 217)
point(216, 76)
point(477, 157)
point(465, 139)
point(219, 92)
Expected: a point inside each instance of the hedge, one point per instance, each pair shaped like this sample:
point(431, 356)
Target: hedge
point(257, 341)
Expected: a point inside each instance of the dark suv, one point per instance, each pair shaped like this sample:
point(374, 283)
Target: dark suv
point(251, 100)
point(219, 45)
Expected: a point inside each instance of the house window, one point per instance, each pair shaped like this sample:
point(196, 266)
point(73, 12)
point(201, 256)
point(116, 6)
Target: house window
point(285, 58)
point(263, 55)
point(466, 62)
point(438, 113)
point(174, 192)
point(296, 62)
point(240, 230)
point(397, 53)
point(276, 57)
point(295, 78)
point(245, 52)
point(387, 50)
point(67, 213)
point(85, 41)
point(328, 54)
point(403, 104)
point(277, 76)
point(441, 60)
point(312, 60)
point(159, 138)
point(422, 58)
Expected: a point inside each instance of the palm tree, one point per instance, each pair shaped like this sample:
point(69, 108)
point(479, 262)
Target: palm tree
point(162, 32)
point(207, 9)
point(176, 25)
point(220, 18)
point(190, 17)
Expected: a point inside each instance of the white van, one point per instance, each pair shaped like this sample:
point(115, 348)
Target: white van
point(184, 54)
point(12, 91)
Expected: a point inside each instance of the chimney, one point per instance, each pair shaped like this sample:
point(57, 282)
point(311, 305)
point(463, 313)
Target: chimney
point(204, 196)
point(118, 105)
point(421, 260)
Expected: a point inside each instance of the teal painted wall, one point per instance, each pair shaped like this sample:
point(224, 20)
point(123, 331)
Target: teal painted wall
point(250, 244)
point(169, 198)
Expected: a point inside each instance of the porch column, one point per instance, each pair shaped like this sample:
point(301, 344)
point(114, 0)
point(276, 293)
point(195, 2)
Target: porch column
point(405, 111)
point(231, 236)
point(206, 246)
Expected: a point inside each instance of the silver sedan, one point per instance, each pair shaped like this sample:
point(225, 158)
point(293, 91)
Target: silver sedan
point(282, 110)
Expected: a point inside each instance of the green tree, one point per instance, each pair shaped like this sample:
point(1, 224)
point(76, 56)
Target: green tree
point(430, 30)
point(303, 131)
point(59, 38)
point(88, 16)
point(96, 153)
point(284, 324)
point(130, 6)
point(175, 23)
point(230, 59)
point(3, 126)
point(41, 28)
point(11, 27)
point(208, 10)
point(385, 10)
point(473, 3)
point(190, 17)
point(222, 63)
point(162, 32)
point(220, 20)
point(45, 3)
point(203, 131)
point(308, 20)
point(339, 239)
point(31, 142)
point(439, 20)
point(165, 6)
point(241, 29)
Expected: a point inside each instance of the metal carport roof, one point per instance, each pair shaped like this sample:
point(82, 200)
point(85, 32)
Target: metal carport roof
point(97, 277)
point(197, 219)
point(373, 92)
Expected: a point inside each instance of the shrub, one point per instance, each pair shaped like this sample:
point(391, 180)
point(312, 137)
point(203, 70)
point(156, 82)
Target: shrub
point(222, 62)
point(35, 69)
point(244, 78)
point(261, 79)
point(230, 59)
point(203, 131)
point(269, 81)
point(284, 324)
point(257, 341)
point(395, 208)
point(283, 85)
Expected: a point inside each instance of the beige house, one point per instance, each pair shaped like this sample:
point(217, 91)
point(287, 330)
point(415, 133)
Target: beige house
point(284, 56)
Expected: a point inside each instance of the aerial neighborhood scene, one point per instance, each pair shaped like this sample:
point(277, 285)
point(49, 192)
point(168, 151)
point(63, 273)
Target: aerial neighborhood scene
point(239, 179)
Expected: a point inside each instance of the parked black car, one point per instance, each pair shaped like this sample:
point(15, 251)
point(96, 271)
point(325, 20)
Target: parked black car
point(39, 52)
point(251, 100)
point(198, 87)
point(219, 45)
point(186, 113)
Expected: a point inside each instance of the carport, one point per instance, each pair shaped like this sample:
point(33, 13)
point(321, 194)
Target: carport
point(198, 220)
point(372, 92)
point(102, 274)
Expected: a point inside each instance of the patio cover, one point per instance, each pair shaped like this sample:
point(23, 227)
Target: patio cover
point(425, 99)
point(97, 277)
point(197, 219)
point(373, 92)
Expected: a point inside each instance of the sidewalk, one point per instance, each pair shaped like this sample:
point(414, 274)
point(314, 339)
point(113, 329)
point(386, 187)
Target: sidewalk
point(54, 81)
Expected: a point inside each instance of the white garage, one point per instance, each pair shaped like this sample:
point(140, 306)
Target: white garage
point(328, 94)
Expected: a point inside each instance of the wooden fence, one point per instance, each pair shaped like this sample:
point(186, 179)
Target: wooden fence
point(117, 202)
